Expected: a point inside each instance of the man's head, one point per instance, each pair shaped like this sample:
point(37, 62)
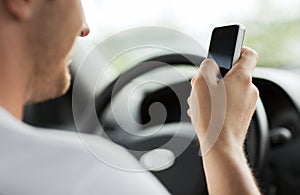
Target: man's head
point(45, 31)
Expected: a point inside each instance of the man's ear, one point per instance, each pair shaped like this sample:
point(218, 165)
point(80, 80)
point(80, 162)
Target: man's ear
point(20, 9)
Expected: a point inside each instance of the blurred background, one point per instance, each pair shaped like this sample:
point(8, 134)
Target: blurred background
point(272, 26)
point(272, 29)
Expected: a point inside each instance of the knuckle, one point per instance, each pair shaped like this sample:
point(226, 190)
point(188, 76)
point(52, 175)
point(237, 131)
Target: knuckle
point(188, 112)
point(208, 65)
point(252, 54)
point(193, 80)
point(255, 91)
point(189, 100)
point(243, 77)
point(247, 78)
point(198, 80)
point(208, 62)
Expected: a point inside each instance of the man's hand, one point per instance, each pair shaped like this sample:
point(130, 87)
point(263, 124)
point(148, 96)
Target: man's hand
point(221, 111)
point(229, 102)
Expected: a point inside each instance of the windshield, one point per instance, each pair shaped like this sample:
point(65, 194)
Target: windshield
point(272, 26)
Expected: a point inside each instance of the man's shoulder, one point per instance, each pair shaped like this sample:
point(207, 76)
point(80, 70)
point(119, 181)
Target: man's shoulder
point(109, 165)
point(93, 146)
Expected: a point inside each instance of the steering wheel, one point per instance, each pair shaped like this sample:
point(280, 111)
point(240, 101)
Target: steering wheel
point(188, 164)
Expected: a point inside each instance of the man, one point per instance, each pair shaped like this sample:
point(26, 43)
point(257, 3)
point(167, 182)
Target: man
point(36, 38)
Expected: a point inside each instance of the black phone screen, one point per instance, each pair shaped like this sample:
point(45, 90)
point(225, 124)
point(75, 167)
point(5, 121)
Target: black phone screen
point(222, 46)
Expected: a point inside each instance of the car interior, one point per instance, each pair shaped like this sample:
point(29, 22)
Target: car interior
point(131, 86)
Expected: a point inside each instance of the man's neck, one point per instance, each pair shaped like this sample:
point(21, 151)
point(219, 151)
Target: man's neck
point(12, 90)
point(13, 77)
point(14, 109)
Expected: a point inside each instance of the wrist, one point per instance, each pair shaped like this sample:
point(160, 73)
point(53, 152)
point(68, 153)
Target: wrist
point(227, 143)
point(227, 159)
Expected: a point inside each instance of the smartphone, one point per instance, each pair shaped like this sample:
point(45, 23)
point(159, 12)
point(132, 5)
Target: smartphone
point(226, 45)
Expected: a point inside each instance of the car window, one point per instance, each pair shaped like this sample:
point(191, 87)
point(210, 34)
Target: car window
point(272, 26)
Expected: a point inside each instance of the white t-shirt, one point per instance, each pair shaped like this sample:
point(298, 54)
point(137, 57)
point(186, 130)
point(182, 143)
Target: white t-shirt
point(40, 162)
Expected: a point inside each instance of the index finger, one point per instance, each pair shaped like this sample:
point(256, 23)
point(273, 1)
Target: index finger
point(247, 61)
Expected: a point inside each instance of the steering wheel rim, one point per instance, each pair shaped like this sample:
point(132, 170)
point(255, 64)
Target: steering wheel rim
point(183, 59)
point(172, 59)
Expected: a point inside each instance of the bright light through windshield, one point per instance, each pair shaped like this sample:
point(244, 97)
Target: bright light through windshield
point(189, 16)
point(197, 18)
